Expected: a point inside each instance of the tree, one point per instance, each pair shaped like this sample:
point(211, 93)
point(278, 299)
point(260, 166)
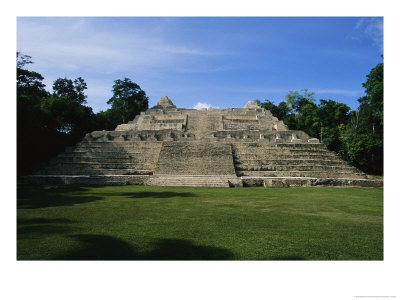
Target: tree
point(127, 101)
point(280, 111)
point(73, 90)
point(106, 120)
point(302, 113)
point(68, 116)
point(295, 100)
point(47, 123)
point(30, 86)
point(374, 97)
point(362, 139)
point(32, 131)
point(374, 89)
point(332, 115)
point(23, 60)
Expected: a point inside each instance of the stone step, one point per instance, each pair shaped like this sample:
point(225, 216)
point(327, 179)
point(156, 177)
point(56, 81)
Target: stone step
point(131, 143)
point(295, 168)
point(114, 149)
point(109, 154)
point(270, 182)
point(316, 174)
point(278, 145)
point(245, 181)
point(103, 165)
point(274, 158)
point(120, 142)
point(102, 159)
point(115, 145)
point(281, 152)
point(84, 180)
point(90, 171)
point(194, 181)
point(266, 157)
point(301, 145)
point(262, 162)
point(195, 158)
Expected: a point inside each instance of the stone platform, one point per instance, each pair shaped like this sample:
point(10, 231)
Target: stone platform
point(169, 146)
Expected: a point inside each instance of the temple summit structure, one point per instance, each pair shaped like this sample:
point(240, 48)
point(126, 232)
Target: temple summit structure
point(170, 146)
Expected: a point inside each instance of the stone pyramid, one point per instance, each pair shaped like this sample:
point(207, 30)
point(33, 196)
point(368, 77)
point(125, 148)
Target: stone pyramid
point(169, 146)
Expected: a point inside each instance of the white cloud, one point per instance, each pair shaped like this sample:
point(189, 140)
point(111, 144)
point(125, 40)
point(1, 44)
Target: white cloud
point(201, 105)
point(371, 28)
point(359, 23)
point(68, 42)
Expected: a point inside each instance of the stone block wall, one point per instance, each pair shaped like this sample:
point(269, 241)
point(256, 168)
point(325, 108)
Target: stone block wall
point(195, 158)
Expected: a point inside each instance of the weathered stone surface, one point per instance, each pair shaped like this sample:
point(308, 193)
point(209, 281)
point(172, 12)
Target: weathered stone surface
point(195, 158)
point(166, 145)
point(165, 102)
point(252, 104)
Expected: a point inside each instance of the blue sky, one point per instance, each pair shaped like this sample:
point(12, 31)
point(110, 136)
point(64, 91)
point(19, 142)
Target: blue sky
point(218, 62)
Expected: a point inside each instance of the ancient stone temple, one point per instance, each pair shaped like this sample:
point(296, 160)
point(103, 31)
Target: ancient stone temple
point(169, 146)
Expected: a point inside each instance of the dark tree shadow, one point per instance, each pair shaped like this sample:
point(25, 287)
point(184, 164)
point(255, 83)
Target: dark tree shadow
point(42, 221)
point(27, 228)
point(33, 198)
point(286, 257)
point(41, 197)
point(155, 194)
point(102, 247)
point(180, 249)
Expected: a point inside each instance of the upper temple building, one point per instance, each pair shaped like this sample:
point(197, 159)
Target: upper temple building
point(166, 122)
point(170, 146)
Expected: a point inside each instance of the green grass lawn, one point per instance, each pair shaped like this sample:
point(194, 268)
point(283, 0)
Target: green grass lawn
point(171, 223)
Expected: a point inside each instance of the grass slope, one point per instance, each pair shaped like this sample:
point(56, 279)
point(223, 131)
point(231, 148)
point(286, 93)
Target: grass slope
point(167, 223)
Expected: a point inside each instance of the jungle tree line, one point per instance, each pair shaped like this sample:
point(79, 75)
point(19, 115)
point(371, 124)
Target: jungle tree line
point(355, 135)
point(49, 122)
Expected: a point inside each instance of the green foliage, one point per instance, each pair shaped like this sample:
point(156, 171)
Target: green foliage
point(332, 113)
point(356, 136)
point(362, 150)
point(374, 90)
point(299, 112)
point(362, 138)
point(47, 123)
point(302, 113)
point(73, 90)
point(30, 86)
point(68, 116)
point(107, 120)
point(331, 116)
point(32, 130)
point(127, 101)
point(295, 100)
point(281, 111)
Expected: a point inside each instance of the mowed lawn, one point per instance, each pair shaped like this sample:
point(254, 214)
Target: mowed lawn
point(173, 223)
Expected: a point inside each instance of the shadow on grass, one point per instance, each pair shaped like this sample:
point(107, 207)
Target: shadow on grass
point(180, 249)
point(37, 197)
point(154, 194)
point(102, 247)
point(286, 257)
point(42, 221)
point(39, 227)
point(31, 198)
